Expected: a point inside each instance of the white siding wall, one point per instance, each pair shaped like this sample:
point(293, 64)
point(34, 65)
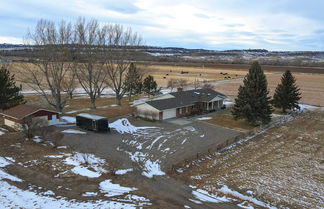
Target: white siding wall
point(147, 111)
point(171, 113)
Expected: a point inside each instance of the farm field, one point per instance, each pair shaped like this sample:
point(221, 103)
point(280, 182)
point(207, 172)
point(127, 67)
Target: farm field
point(282, 166)
point(310, 80)
point(311, 84)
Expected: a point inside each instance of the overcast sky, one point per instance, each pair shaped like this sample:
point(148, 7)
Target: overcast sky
point(210, 24)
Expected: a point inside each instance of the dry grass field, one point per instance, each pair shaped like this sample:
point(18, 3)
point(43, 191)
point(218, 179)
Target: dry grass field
point(283, 166)
point(311, 84)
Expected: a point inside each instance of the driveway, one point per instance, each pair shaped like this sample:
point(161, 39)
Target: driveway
point(152, 150)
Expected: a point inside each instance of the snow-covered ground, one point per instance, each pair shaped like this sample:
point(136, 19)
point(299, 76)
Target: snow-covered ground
point(14, 197)
point(110, 189)
point(83, 162)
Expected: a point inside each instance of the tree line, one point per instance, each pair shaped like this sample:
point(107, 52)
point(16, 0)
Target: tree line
point(87, 54)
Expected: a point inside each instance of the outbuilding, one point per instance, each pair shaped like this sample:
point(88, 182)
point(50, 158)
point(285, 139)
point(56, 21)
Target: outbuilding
point(16, 116)
point(92, 122)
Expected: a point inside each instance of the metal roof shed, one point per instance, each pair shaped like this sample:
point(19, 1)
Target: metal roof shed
point(92, 122)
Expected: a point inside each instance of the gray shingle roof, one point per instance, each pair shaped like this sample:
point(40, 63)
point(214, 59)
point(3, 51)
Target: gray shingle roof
point(185, 98)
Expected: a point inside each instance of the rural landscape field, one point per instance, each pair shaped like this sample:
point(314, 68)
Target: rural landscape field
point(161, 104)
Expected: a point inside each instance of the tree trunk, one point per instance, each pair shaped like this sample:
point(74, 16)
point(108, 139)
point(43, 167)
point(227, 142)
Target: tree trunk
point(93, 103)
point(118, 100)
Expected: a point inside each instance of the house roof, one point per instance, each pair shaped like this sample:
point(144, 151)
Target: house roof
point(21, 111)
point(90, 116)
point(185, 98)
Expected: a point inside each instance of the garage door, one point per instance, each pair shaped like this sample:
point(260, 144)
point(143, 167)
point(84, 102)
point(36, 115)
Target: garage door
point(169, 114)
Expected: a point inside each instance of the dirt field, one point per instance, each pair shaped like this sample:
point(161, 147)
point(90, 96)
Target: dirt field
point(282, 167)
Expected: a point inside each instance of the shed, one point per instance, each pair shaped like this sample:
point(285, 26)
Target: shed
point(92, 122)
point(15, 116)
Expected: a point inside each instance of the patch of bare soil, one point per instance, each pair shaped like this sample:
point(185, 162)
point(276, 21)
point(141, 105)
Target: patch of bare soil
point(283, 166)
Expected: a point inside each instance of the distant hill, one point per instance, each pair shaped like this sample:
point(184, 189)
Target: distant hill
point(176, 54)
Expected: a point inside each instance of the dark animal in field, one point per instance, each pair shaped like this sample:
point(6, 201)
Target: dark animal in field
point(200, 74)
point(167, 74)
point(164, 77)
point(184, 72)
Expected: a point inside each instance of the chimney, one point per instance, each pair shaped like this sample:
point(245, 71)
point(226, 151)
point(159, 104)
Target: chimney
point(179, 89)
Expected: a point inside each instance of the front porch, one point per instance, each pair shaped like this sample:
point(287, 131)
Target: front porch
point(199, 108)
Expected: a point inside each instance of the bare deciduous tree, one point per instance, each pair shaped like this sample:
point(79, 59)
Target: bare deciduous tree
point(89, 40)
point(182, 83)
point(208, 85)
point(197, 83)
point(47, 73)
point(118, 56)
point(172, 83)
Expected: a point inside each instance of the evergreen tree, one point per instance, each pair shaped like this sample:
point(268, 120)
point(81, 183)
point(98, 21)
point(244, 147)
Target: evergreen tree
point(253, 103)
point(287, 93)
point(133, 81)
point(9, 92)
point(150, 85)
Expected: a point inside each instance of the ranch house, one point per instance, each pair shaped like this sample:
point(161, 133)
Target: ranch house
point(180, 104)
point(15, 117)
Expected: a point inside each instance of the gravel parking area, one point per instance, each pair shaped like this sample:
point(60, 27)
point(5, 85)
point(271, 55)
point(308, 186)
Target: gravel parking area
point(163, 143)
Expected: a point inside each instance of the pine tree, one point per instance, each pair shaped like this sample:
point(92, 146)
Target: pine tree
point(133, 81)
point(150, 85)
point(287, 93)
point(9, 93)
point(253, 103)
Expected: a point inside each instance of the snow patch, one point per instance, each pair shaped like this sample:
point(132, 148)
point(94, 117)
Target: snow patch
point(123, 171)
point(83, 162)
point(238, 195)
point(124, 126)
point(205, 118)
point(68, 119)
point(13, 197)
point(204, 196)
point(152, 169)
point(73, 131)
point(4, 162)
point(37, 139)
point(90, 194)
point(112, 189)
point(307, 107)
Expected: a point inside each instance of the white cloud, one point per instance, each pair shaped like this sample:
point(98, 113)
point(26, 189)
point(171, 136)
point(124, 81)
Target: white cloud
point(250, 23)
point(12, 40)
